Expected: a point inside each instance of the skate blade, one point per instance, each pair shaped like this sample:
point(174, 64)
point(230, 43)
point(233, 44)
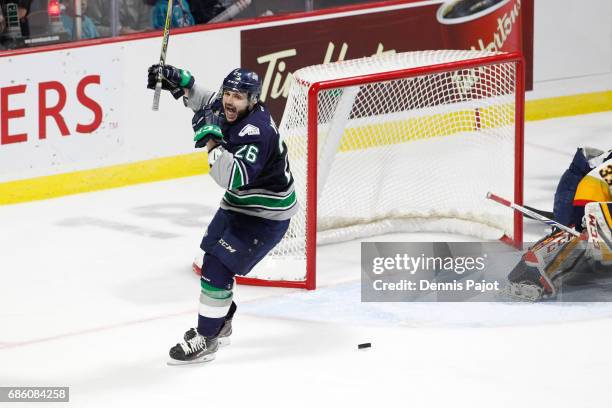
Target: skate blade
point(224, 341)
point(204, 359)
point(523, 292)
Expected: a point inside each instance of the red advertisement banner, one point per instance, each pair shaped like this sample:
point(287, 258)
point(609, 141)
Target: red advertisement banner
point(495, 25)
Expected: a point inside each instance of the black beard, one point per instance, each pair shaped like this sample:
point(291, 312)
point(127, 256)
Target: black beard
point(239, 116)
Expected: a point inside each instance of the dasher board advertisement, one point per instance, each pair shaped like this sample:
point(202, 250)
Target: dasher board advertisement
point(275, 52)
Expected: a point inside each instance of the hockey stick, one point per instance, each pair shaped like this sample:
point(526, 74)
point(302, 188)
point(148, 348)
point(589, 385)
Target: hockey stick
point(162, 57)
point(547, 214)
point(531, 214)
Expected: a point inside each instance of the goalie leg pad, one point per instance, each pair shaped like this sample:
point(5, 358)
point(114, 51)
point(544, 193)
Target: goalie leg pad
point(564, 261)
point(598, 221)
point(539, 273)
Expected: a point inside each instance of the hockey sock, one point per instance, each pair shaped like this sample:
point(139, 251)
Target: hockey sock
point(215, 304)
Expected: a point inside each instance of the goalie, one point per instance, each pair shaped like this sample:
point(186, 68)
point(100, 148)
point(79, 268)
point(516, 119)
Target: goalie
point(583, 200)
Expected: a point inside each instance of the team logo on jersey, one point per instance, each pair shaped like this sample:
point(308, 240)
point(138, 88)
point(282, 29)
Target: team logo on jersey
point(250, 130)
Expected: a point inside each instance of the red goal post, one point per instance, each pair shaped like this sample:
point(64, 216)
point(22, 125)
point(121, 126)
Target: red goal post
point(313, 154)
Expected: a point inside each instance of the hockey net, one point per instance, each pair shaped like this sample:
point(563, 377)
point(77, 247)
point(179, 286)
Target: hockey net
point(401, 142)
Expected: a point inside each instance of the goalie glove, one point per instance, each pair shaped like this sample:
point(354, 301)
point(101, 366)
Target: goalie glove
point(174, 80)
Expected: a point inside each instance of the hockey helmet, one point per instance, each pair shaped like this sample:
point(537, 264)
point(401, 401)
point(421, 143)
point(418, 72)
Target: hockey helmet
point(243, 80)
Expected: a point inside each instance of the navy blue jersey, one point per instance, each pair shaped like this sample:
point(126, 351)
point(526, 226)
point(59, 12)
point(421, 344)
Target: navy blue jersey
point(254, 140)
point(253, 166)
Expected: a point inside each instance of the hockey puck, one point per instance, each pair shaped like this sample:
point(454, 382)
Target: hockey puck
point(364, 345)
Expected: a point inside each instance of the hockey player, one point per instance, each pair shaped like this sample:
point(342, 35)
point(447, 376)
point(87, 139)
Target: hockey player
point(583, 200)
point(248, 158)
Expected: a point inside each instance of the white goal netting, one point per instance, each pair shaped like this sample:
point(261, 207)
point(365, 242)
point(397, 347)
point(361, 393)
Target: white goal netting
point(412, 154)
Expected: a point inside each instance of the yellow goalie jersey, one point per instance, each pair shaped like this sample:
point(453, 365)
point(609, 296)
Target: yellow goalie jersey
point(596, 186)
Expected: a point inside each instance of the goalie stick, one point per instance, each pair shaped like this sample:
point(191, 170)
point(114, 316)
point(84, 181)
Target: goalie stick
point(547, 214)
point(162, 57)
point(531, 214)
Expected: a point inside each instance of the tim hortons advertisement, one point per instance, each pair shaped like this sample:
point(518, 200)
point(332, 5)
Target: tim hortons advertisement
point(495, 25)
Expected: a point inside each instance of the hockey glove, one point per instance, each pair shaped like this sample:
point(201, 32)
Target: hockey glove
point(206, 133)
point(174, 80)
point(206, 128)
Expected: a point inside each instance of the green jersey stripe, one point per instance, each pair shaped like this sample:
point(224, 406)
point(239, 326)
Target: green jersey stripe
point(238, 177)
point(258, 200)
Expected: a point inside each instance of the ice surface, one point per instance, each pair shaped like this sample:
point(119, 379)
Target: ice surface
point(97, 287)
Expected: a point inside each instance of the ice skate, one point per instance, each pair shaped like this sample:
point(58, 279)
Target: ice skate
point(526, 291)
point(223, 337)
point(198, 349)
